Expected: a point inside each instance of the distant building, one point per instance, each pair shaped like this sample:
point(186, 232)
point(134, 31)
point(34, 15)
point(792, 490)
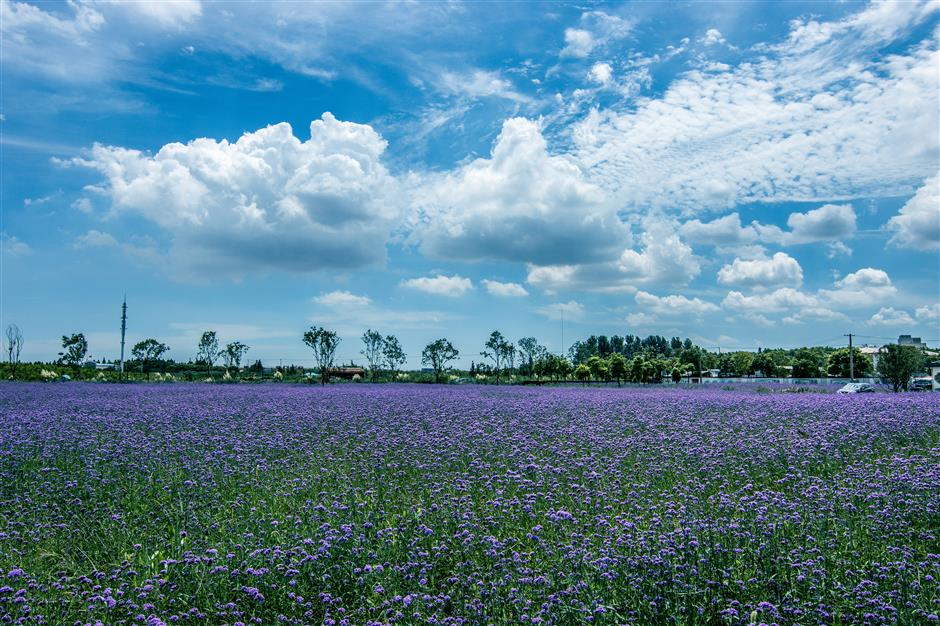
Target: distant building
point(873, 353)
point(347, 373)
point(907, 340)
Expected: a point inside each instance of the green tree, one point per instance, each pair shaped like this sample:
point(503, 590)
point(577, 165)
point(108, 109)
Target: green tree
point(838, 363)
point(898, 364)
point(598, 367)
point(638, 369)
point(498, 350)
point(763, 363)
point(582, 372)
point(691, 358)
point(323, 342)
point(437, 355)
point(208, 350)
point(393, 354)
point(529, 350)
point(372, 343)
point(74, 349)
point(148, 350)
point(617, 366)
point(807, 362)
point(741, 362)
point(233, 353)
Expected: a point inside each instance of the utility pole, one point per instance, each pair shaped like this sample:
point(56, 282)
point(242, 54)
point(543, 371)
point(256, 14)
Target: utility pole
point(123, 331)
point(851, 359)
point(562, 332)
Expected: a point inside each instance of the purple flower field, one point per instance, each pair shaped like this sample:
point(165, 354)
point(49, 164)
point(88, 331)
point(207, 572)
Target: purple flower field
point(360, 504)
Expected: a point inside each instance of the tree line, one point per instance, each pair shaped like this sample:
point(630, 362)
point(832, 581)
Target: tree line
point(617, 358)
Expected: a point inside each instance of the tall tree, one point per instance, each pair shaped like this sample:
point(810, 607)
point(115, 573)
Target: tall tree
point(393, 354)
point(741, 361)
point(617, 366)
point(372, 350)
point(498, 350)
point(838, 363)
point(898, 364)
point(74, 349)
point(437, 355)
point(807, 363)
point(14, 347)
point(233, 354)
point(598, 367)
point(528, 352)
point(148, 350)
point(764, 363)
point(208, 350)
point(323, 342)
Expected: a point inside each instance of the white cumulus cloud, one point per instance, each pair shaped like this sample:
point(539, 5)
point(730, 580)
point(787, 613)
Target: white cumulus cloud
point(673, 304)
point(267, 200)
point(917, 224)
point(521, 204)
point(342, 299)
point(928, 312)
point(780, 269)
point(504, 289)
point(889, 316)
point(861, 288)
point(440, 285)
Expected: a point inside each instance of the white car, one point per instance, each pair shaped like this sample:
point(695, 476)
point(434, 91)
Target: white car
point(857, 388)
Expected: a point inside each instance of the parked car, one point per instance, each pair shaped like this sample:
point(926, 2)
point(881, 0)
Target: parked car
point(857, 388)
point(921, 384)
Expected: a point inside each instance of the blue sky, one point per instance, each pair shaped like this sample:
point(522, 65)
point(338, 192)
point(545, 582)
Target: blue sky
point(744, 174)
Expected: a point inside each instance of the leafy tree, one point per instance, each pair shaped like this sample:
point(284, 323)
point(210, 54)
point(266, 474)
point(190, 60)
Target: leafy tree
point(638, 369)
point(208, 350)
point(598, 367)
point(148, 350)
point(14, 347)
point(74, 349)
point(807, 363)
point(393, 355)
point(725, 364)
point(528, 351)
point(676, 375)
point(562, 367)
point(372, 350)
point(838, 363)
point(617, 366)
point(437, 355)
point(898, 364)
point(763, 363)
point(233, 353)
point(582, 372)
point(692, 357)
point(498, 350)
point(323, 342)
point(741, 362)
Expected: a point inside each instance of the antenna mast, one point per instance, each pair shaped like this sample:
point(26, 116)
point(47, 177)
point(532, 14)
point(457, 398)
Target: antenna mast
point(123, 331)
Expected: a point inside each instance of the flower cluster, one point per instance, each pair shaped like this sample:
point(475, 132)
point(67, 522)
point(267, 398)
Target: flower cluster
point(458, 505)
